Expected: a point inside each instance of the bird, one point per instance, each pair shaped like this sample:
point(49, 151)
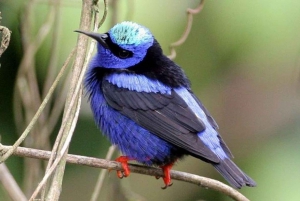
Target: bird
point(143, 102)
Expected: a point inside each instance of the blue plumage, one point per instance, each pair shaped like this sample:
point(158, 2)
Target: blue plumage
point(143, 103)
point(139, 83)
point(132, 139)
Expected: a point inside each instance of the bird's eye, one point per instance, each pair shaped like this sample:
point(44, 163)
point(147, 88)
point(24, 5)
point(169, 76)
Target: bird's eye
point(123, 54)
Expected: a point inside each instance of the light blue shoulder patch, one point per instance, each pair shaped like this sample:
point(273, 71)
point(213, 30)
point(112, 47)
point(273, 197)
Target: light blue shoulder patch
point(139, 83)
point(209, 136)
point(130, 33)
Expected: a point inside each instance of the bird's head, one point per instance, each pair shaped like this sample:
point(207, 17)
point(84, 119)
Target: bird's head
point(123, 46)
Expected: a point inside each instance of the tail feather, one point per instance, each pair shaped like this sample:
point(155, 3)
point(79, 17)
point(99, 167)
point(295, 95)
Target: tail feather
point(233, 174)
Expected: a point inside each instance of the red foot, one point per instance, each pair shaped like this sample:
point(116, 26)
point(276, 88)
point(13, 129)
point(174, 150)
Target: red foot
point(124, 162)
point(167, 178)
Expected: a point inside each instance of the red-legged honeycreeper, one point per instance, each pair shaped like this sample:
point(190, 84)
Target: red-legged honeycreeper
point(143, 102)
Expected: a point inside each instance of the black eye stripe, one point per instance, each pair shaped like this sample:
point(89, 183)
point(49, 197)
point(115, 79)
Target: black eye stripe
point(115, 49)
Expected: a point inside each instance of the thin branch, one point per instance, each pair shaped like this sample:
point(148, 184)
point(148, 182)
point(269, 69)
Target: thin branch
point(5, 38)
point(27, 71)
point(112, 148)
point(97, 26)
point(10, 184)
point(102, 174)
point(6, 178)
point(53, 50)
point(26, 67)
point(20, 103)
point(54, 192)
point(182, 39)
point(113, 165)
point(58, 105)
point(38, 113)
point(71, 110)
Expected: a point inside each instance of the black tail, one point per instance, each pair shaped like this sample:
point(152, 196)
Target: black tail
point(233, 174)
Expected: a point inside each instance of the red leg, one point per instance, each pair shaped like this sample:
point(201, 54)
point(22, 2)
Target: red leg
point(167, 178)
point(124, 162)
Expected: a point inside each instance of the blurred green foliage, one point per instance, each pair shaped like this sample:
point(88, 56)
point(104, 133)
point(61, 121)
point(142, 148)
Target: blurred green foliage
point(243, 61)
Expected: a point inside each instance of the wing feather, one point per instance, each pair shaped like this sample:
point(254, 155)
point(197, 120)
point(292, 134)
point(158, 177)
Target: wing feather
point(165, 115)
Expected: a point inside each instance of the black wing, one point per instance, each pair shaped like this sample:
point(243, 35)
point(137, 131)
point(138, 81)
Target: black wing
point(164, 115)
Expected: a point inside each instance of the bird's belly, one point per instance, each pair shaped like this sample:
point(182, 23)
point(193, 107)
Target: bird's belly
point(133, 140)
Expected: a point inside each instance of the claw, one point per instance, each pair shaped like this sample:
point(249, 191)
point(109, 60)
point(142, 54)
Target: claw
point(120, 174)
point(166, 186)
point(124, 162)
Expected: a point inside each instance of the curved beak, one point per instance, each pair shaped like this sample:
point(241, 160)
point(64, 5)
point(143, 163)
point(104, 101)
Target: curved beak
point(101, 38)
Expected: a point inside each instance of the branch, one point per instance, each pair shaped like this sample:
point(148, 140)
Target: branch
point(10, 184)
point(57, 162)
point(113, 165)
point(182, 39)
point(102, 175)
point(5, 38)
point(36, 116)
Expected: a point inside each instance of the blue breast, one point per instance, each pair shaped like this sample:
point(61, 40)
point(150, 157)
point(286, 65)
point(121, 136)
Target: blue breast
point(133, 140)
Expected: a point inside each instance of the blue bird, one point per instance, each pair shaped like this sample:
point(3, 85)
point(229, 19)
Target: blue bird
point(143, 102)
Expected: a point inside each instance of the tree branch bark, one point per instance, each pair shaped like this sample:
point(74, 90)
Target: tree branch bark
point(72, 107)
point(113, 165)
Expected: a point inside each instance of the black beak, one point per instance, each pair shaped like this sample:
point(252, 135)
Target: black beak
point(98, 37)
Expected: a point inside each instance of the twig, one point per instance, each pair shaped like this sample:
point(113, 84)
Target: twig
point(182, 39)
point(53, 50)
point(97, 26)
point(20, 104)
point(39, 133)
point(54, 191)
point(71, 110)
point(36, 116)
point(5, 38)
point(113, 165)
point(6, 178)
point(10, 184)
point(102, 174)
point(112, 148)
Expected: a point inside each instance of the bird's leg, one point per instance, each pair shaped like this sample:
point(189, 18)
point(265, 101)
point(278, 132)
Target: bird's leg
point(167, 177)
point(124, 162)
